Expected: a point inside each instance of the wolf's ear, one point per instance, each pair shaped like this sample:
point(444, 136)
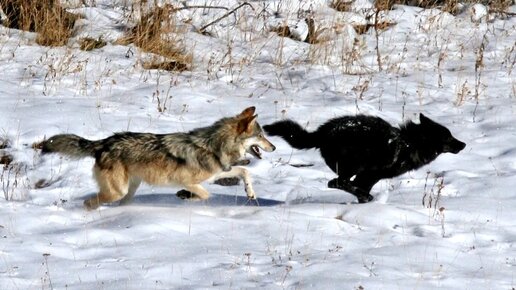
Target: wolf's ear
point(246, 124)
point(249, 112)
point(424, 119)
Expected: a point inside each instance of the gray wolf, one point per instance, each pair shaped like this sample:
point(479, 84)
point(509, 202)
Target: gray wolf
point(124, 160)
point(361, 149)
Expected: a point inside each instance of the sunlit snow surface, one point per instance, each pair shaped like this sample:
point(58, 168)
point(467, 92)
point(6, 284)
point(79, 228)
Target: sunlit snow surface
point(415, 235)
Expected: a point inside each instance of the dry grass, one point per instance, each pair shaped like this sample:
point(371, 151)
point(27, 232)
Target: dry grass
point(314, 35)
point(387, 4)
point(169, 65)
point(52, 23)
point(4, 143)
point(451, 6)
point(156, 32)
point(382, 25)
point(500, 5)
point(341, 5)
point(6, 159)
point(89, 43)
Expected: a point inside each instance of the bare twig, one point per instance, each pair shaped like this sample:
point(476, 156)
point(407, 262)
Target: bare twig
point(200, 7)
point(502, 12)
point(479, 65)
point(203, 29)
point(378, 57)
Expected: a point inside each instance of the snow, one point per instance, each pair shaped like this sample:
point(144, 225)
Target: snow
point(415, 235)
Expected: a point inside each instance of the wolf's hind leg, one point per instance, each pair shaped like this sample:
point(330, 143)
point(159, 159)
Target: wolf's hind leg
point(113, 185)
point(362, 194)
point(134, 183)
point(244, 175)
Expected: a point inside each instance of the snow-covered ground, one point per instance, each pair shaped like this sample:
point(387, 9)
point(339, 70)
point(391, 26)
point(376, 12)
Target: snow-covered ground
point(417, 234)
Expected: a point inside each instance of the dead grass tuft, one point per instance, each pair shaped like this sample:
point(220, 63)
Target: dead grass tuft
point(6, 159)
point(4, 143)
point(283, 31)
point(313, 36)
point(156, 32)
point(170, 65)
point(382, 25)
point(500, 6)
point(450, 6)
point(89, 43)
point(50, 21)
point(341, 5)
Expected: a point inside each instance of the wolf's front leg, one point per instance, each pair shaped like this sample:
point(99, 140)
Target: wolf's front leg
point(244, 175)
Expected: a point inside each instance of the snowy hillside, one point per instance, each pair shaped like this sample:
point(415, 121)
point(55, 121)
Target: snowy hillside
point(448, 225)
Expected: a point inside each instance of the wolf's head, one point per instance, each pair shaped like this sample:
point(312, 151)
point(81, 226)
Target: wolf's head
point(439, 136)
point(251, 134)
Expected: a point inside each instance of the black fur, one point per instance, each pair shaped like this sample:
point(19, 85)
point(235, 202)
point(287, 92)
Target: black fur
point(361, 149)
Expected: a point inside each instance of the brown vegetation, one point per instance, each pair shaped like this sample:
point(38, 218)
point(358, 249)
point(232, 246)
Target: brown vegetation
point(382, 25)
point(451, 6)
point(154, 34)
point(52, 23)
point(89, 43)
point(341, 5)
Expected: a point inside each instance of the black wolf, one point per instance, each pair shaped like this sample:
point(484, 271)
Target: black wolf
point(361, 149)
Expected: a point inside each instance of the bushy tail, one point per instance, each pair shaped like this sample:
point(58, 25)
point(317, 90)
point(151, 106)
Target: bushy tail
point(293, 133)
point(68, 144)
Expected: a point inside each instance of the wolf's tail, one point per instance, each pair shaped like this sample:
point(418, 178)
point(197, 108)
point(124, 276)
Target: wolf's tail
point(293, 133)
point(68, 144)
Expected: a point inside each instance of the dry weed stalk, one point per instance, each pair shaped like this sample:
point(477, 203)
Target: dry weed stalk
point(12, 177)
point(432, 196)
point(377, 36)
point(479, 65)
point(442, 56)
point(432, 200)
point(462, 94)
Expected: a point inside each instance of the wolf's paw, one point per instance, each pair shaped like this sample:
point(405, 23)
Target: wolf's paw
point(252, 201)
point(365, 198)
point(185, 194)
point(334, 183)
point(251, 194)
point(92, 203)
